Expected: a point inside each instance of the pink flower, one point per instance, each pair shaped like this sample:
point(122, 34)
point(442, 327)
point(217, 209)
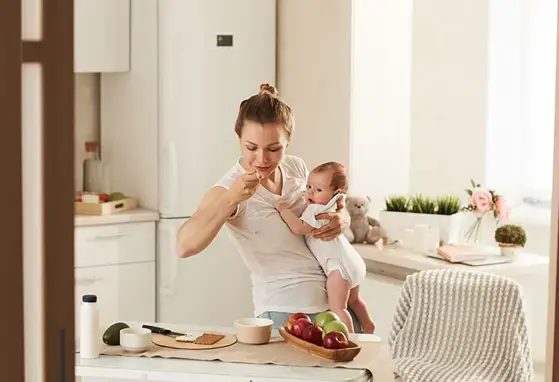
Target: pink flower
point(503, 209)
point(482, 201)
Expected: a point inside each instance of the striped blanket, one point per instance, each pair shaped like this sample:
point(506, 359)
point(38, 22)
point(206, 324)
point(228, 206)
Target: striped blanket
point(459, 326)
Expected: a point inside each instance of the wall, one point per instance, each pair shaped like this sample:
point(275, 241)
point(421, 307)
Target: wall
point(418, 97)
point(314, 76)
point(380, 109)
point(86, 118)
point(419, 104)
point(404, 118)
point(553, 282)
point(448, 104)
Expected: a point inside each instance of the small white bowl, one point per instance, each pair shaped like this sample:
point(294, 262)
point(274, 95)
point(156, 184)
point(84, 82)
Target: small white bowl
point(253, 331)
point(135, 340)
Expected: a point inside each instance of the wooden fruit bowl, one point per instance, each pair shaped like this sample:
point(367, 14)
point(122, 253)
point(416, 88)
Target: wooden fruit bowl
point(336, 355)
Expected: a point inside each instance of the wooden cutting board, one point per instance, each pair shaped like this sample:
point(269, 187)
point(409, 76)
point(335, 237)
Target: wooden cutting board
point(171, 342)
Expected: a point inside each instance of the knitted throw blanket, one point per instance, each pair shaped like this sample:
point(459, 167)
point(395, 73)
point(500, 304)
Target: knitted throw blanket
point(460, 326)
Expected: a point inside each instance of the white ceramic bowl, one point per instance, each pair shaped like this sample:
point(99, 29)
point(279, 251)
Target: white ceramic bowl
point(253, 331)
point(135, 340)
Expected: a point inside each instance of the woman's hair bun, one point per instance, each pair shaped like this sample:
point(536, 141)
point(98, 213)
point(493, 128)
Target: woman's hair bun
point(269, 89)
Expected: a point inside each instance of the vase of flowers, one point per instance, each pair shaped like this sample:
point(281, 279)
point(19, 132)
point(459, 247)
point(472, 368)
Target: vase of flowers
point(509, 237)
point(484, 202)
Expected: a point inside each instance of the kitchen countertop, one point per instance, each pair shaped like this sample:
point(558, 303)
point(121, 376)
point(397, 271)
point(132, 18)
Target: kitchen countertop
point(173, 370)
point(398, 262)
point(132, 216)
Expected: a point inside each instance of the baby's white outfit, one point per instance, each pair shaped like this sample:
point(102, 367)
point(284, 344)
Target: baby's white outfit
point(337, 254)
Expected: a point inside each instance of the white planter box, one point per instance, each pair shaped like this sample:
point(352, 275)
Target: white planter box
point(449, 226)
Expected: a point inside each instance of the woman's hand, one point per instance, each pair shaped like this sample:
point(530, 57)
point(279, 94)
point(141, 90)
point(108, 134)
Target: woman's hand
point(244, 187)
point(339, 221)
point(333, 229)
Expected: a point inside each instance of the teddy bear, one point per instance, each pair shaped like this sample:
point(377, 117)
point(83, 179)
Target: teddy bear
point(363, 228)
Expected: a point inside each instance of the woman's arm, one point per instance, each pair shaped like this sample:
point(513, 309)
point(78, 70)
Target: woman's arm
point(200, 230)
point(216, 207)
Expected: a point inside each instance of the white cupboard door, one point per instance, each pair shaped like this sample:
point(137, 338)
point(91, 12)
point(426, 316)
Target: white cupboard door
point(101, 36)
point(211, 288)
point(114, 244)
point(124, 292)
point(381, 295)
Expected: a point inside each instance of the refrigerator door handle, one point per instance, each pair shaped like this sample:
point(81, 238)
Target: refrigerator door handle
point(170, 180)
point(174, 181)
point(168, 284)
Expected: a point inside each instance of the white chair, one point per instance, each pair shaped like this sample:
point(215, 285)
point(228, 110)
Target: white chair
point(457, 325)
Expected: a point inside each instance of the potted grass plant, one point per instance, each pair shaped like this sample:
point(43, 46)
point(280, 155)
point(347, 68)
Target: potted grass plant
point(509, 237)
point(403, 212)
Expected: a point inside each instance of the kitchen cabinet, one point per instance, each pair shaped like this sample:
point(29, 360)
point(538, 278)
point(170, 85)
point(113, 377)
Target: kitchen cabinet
point(125, 292)
point(101, 36)
point(116, 262)
point(381, 295)
point(114, 244)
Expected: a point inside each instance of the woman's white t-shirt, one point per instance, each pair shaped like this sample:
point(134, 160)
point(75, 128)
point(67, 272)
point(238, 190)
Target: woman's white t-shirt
point(286, 277)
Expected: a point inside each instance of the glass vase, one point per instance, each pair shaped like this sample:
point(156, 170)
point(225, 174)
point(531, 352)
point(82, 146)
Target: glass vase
point(473, 233)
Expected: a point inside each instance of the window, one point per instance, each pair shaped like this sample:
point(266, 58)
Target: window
point(521, 99)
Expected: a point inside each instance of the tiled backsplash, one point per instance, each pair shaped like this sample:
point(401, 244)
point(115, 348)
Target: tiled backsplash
point(87, 126)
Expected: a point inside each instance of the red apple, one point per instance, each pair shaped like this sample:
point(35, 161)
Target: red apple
point(313, 334)
point(335, 340)
point(294, 317)
point(299, 326)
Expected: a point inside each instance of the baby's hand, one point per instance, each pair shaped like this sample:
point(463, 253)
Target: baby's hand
point(282, 205)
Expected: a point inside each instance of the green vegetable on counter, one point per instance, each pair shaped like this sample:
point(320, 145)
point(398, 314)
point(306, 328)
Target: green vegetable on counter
point(112, 334)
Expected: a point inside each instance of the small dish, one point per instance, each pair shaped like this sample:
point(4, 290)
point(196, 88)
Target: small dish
point(253, 331)
point(363, 337)
point(135, 340)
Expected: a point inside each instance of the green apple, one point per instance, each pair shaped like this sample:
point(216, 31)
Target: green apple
point(325, 317)
point(335, 326)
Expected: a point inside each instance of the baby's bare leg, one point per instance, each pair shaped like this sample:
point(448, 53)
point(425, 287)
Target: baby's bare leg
point(359, 307)
point(338, 293)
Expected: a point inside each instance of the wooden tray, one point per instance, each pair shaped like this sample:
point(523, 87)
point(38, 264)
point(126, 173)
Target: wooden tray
point(170, 342)
point(336, 355)
point(106, 208)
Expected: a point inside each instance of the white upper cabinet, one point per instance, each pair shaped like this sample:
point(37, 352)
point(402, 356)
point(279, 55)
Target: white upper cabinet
point(101, 36)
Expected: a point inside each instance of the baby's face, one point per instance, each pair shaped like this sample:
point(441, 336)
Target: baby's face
point(318, 187)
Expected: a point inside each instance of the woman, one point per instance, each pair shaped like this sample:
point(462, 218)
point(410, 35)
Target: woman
point(286, 277)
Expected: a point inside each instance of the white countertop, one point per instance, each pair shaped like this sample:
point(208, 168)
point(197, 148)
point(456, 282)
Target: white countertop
point(132, 216)
point(174, 370)
point(397, 262)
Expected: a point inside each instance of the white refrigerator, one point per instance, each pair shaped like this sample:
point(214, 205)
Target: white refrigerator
point(206, 57)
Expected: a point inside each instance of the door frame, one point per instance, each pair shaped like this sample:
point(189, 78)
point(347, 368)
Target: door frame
point(53, 51)
point(11, 276)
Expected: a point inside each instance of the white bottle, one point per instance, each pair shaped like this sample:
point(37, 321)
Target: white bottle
point(89, 327)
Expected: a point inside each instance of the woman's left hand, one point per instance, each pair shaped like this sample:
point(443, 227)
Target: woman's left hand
point(331, 230)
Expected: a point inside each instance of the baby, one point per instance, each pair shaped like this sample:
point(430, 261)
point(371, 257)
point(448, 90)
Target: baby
point(345, 269)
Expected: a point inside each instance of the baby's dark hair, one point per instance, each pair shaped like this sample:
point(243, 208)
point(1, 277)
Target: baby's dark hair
point(339, 175)
point(265, 107)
